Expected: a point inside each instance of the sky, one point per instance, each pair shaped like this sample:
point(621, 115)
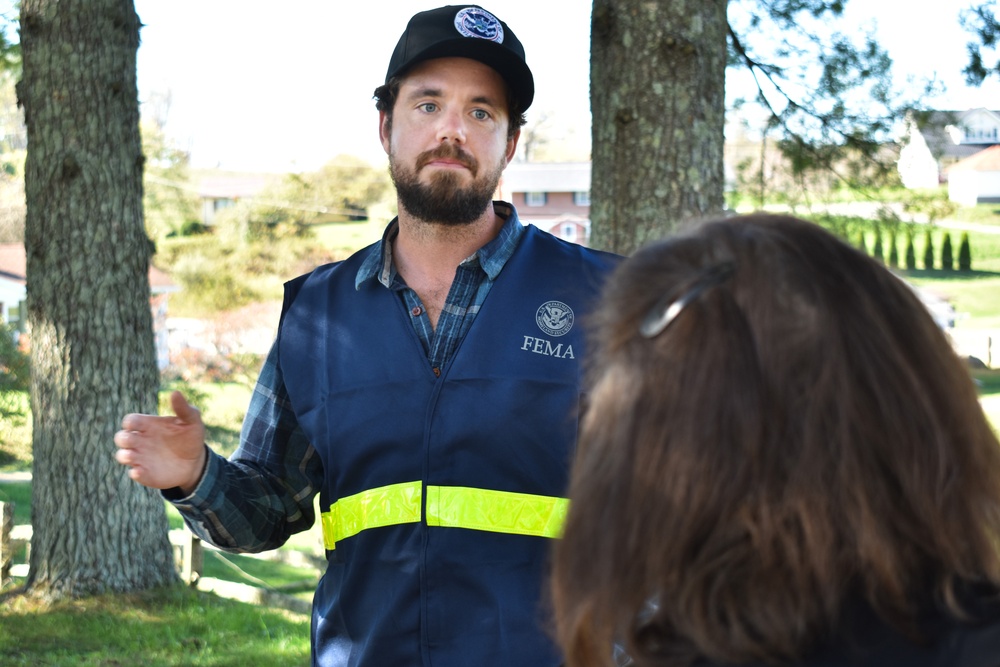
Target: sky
point(256, 85)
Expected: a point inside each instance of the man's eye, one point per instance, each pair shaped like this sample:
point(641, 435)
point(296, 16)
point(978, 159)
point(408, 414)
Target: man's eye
point(428, 107)
point(479, 114)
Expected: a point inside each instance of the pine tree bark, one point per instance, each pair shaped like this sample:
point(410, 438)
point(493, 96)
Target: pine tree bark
point(658, 106)
point(92, 347)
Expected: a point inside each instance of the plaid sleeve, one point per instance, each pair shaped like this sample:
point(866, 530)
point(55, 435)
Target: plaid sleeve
point(264, 493)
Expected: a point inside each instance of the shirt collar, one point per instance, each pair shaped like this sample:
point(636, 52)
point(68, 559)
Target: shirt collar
point(492, 257)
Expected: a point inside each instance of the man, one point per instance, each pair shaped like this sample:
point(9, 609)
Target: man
point(426, 388)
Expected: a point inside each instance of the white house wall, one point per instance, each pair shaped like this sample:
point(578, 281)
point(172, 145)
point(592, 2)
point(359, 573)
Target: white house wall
point(11, 295)
point(967, 188)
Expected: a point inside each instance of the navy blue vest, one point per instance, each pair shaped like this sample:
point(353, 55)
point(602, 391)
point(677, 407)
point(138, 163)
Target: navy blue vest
point(501, 416)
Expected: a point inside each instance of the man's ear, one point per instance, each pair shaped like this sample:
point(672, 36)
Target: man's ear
point(384, 127)
point(512, 145)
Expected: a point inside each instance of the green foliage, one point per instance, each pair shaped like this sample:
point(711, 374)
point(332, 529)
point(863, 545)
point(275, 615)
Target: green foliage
point(932, 206)
point(893, 250)
point(341, 190)
point(877, 251)
point(947, 259)
point(964, 253)
point(829, 94)
point(230, 268)
point(860, 243)
point(911, 253)
point(169, 202)
point(210, 286)
point(981, 22)
point(928, 251)
point(15, 368)
point(190, 228)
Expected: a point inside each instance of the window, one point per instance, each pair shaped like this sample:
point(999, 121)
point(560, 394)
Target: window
point(535, 198)
point(568, 232)
point(581, 198)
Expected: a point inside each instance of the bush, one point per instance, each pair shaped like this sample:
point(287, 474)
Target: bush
point(928, 251)
point(877, 252)
point(15, 372)
point(911, 254)
point(862, 246)
point(947, 261)
point(212, 285)
point(893, 250)
point(964, 254)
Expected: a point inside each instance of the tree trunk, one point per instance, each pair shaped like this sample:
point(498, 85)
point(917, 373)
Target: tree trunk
point(658, 104)
point(92, 348)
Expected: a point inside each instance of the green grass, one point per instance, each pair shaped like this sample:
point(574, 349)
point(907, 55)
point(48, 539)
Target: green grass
point(344, 238)
point(988, 382)
point(168, 627)
point(981, 214)
point(171, 626)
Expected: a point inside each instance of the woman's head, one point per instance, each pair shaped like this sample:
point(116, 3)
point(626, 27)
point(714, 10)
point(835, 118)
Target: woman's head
point(774, 420)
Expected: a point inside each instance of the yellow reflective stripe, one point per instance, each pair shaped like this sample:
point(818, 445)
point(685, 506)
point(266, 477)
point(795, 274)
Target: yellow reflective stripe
point(384, 506)
point(496, 511)
point(447, 506)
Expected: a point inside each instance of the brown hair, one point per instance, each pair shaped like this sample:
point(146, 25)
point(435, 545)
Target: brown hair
point(801, 432)
point(385, 100)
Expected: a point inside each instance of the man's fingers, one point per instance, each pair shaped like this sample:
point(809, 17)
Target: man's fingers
point(184, 411)
point(134, 422)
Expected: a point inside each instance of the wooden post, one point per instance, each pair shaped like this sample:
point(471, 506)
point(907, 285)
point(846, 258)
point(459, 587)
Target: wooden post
point(6, 544)
point(191, 555)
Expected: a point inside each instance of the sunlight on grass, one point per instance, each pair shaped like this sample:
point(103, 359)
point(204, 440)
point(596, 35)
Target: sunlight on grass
point(163, 627)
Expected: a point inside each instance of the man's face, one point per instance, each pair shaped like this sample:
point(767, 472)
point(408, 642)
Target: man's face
point(447, 142)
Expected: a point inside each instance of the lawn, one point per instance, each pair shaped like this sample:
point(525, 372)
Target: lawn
point(168, 627)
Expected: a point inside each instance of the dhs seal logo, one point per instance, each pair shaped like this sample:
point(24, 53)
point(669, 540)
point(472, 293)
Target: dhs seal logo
point(479, 23)
point(554, 318)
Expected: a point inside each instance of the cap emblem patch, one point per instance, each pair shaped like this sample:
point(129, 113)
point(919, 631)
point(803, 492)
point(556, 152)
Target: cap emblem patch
point(479, 23)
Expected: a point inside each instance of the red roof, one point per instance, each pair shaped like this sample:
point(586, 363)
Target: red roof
point(13, 265)
point(12, 261)
point(987, 159)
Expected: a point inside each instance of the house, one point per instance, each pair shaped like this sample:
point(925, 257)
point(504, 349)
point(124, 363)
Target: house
point(12, 281)
point(218, 190)
point(553, 196)
point(976, 179)
point(13, 290)
point(938, 139)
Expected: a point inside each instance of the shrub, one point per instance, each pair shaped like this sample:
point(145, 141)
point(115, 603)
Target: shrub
point(14, 362)
point(877, 251)
point(893, 250)
point(928, 251)
point(947, 261)
point(964, 253)
point(862, 246)
point(911, 254)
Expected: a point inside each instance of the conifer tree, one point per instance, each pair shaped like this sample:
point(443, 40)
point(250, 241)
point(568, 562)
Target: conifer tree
point(877, 252)
point(893, 250)
point(928, 251)
point(947, 260)
point(964, 253)
point(911, 254)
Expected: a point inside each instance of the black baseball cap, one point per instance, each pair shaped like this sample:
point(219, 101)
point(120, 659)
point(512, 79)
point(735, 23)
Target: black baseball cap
point(465, 31)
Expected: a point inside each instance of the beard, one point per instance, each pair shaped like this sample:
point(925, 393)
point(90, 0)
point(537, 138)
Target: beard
point(443, 200)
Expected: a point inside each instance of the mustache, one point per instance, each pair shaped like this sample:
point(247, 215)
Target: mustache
point(450, 152)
